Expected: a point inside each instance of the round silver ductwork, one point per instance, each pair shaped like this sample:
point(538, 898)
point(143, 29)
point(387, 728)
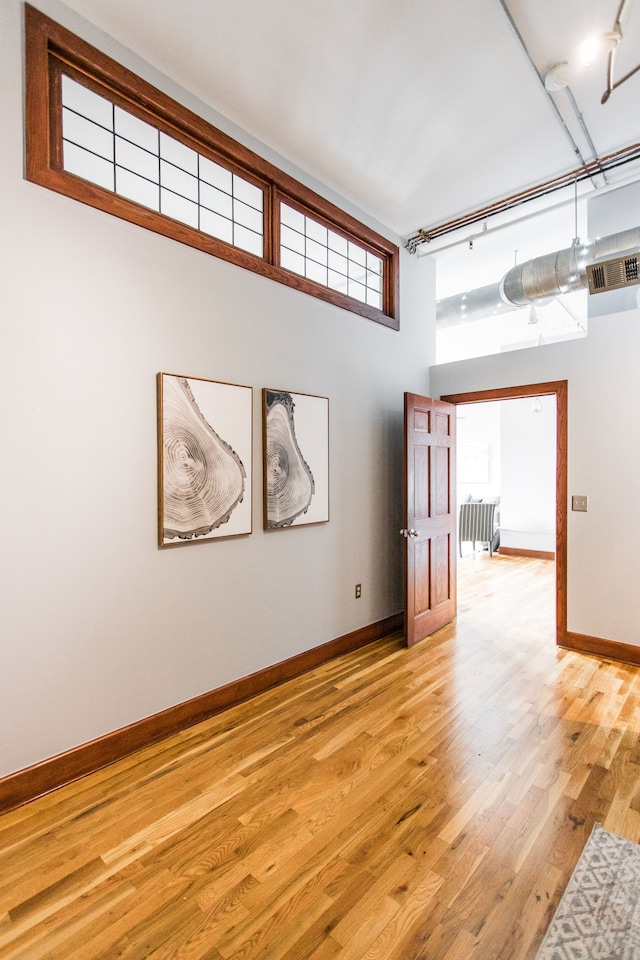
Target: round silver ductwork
point(535, 281)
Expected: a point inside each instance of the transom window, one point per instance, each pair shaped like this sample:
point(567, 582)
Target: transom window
point(100, 134)
point(108, 146)
point(314, 251)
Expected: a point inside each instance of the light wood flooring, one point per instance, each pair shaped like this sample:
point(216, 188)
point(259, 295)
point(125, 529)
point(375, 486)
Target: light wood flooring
point(393, 804)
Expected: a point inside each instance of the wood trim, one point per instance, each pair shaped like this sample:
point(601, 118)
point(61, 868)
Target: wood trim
point(24, 785)
point(562, 496)
point(48, 46)
point(522, 552)
point(607, 649)
point(508, 393)
point(561, 390)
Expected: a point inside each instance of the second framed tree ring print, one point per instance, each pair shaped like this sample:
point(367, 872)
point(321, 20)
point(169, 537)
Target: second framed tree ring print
point(296, 459)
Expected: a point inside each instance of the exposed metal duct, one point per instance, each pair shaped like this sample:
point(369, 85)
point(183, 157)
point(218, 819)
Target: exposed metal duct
point(536, 281)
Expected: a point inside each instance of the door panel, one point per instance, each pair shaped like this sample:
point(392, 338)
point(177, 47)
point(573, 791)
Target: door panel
point(440, 492)
point(422, 577)
point(430, 552)
point(441, 547)
point(421, 457)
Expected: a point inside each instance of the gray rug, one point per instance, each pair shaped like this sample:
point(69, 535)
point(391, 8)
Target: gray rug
point(598, 917)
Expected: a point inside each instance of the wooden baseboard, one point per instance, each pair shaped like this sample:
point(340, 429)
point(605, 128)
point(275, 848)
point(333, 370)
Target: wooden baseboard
point(521, 552)
point(41, 778)
point(607, 649)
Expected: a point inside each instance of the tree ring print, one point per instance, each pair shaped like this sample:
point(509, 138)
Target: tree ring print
point(203, 477)
point(290, 484)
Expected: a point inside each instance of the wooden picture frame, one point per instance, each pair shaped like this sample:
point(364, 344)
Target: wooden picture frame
point(296, 459)
point(205, 432)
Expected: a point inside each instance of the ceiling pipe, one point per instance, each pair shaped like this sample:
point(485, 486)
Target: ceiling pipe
point(552, 104)
point(489, 229)
point(630, 154)
point(535, 281)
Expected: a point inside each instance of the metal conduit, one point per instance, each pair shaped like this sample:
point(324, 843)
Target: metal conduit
point(551, 101)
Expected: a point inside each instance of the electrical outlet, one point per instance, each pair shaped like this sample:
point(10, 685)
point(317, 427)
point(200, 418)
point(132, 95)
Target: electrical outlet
point(580, 503)
point(358, 590)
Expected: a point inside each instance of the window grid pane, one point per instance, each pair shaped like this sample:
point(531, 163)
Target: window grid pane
point(88, 166)
point(247, 193)
point(136, 160)
point(137, 188)
point(216, 225)
point(374, 263)
point(247, 240)
point(317, 272)
point(179, 182)
point(247, 216)
point(86, 103)
point(136, 131)
point(87, 134)
point(292, 261)
point(291, 239)
point(114, 149)
point(309, 248)
point(216, 200)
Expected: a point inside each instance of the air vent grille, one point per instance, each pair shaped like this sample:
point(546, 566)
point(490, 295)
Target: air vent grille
point(613, 274)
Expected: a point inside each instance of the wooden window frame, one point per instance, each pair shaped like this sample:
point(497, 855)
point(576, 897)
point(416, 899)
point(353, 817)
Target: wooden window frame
point(51, 49)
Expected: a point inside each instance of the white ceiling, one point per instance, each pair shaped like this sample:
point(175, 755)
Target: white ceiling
point(414, 110)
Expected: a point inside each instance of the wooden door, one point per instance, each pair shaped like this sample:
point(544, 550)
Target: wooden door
point(430, 516)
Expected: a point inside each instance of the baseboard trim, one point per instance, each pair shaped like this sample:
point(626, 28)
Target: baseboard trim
point(607, 649)
point(24, 785)
point(521, 552)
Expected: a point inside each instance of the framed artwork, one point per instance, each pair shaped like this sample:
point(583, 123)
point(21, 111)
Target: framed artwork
point(296, 459)
point(204, 459)
point(473, 463)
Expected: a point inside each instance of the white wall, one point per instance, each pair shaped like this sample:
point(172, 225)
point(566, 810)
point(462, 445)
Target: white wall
point(99, 627)
point(478, 423)
point(528, 455)
point(604, 456)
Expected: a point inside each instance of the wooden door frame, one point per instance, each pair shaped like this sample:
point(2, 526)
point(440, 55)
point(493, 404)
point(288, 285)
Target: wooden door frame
point(559, 389)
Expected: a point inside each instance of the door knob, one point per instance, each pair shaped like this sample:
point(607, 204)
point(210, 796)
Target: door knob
point(409, 533)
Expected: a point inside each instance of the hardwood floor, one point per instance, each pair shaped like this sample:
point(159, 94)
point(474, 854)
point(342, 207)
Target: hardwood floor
point(393, 804)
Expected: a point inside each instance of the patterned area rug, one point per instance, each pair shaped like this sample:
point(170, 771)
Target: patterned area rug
point(598, 917)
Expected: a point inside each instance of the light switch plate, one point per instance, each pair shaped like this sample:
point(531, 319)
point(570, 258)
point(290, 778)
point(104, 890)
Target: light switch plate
point(580, 503)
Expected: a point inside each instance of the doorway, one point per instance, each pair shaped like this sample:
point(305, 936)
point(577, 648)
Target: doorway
point(558, 389)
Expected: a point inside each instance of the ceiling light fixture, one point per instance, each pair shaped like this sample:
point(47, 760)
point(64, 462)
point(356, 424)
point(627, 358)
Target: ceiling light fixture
point(593, 47)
